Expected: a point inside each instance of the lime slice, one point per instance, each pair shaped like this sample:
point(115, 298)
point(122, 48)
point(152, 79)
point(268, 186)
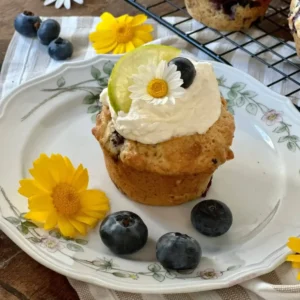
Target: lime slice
point(120, 78)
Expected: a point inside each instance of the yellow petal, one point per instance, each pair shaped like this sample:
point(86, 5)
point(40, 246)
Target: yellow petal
point(41, 174)
point(137, 42)
point(144, 27)
point(104, 49)
point(80, 182)
point(105, 43)
point(38, 216)
point(138, 19)
point(40, 203)
point(29, 187)
point(65, 227)
point(51, 221)
point(298, 276)
point(129, 47)
point(122, 19)
point(95, 214)
point(92, 198)
point(70, 169)
point(294, 244)
point(296, 265)
point(80, 227)
point(293, 257)
point(81, 217)
point(99, 36)
point(58, 168)
point(145, 36)
point(119, 49)
point(108, 18)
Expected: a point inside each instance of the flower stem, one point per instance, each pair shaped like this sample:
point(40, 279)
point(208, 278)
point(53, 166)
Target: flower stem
point(13, 208)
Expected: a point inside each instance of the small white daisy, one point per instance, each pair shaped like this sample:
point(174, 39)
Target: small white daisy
point(60, 3)
point(158, 84)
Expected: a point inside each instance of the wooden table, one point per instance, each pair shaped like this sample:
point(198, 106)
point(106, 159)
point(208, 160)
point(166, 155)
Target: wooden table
point(20, 276)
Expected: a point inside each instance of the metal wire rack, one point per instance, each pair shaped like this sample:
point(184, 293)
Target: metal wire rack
point(267, 43)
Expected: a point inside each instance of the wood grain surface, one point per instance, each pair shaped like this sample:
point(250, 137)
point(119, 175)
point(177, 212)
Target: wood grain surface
point(20, 276)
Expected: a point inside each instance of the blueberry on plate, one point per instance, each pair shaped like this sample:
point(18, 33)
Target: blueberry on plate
point(123, 232)
point(27, 24)
point(186, 68)
point(177, 251)
point(48, 31)
point(211, 217)
point(60, 49)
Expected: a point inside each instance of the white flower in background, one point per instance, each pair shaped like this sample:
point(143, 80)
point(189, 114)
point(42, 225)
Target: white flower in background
point(158, 84)
point(60, 3)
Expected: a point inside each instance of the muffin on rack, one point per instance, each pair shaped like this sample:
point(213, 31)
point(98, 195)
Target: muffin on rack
point(294, 23)
point(164, 128)
point(227, 15)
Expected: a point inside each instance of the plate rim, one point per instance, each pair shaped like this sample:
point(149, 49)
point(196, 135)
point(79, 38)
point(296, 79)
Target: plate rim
point(271, 262)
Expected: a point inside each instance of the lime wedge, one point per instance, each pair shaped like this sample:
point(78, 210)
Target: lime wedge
point(123, 70)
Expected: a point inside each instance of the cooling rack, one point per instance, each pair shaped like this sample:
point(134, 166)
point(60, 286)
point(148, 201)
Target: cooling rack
point(267, 43)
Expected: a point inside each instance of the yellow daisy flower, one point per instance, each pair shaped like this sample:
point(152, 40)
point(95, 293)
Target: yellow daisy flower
point(294, 245)
point(121, 34)
point(58, 196)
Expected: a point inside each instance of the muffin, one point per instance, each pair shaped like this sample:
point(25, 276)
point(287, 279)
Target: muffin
point(227, 15)
point(294, 23)
point(161, 153)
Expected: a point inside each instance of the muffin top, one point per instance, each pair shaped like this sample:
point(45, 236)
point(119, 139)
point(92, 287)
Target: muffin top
point(152, 100)
point(189, 154)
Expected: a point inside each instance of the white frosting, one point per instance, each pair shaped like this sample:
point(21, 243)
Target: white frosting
point(195, 112)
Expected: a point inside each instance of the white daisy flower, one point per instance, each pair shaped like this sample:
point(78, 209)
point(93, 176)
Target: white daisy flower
point(60, 3)
point(158, 84)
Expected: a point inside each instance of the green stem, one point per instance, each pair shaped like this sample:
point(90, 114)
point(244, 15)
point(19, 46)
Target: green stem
point(13, 208)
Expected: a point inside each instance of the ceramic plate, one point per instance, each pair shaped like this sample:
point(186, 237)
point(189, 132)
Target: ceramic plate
point(55, 114)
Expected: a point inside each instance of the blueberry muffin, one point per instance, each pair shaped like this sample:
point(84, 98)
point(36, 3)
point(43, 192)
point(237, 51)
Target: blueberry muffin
point(294, 23)
point(227, 15)
point(163, 147)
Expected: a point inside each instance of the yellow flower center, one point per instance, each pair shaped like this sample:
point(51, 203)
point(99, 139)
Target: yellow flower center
point(65, 199)
point(124, 33)
point(157, 88)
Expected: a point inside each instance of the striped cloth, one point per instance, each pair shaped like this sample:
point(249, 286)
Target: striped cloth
point(27, 58)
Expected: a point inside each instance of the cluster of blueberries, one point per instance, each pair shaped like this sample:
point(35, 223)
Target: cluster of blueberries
point(29, 25)
point(125, 232)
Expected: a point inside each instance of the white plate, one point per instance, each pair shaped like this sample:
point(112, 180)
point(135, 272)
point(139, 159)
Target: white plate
point(261, 185)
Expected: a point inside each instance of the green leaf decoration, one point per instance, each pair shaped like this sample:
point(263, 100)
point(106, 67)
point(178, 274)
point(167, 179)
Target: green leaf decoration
point(95, 73)
point(61, 82)
point(29, 224)
point(283, 139)
point(238, 86)
point(90, 99)
point(103, 82)
point(221, 80)
point(232, 94)
point(13, 220)
point(107, 68)
point(74, 247)
point(158, 277)
point(294, 138)
point(230, 109)
point(92, 109)
point(240, 101)
point(291, 146)
point(81, 242)
point(55, 233)
point(34, 240)
point(280, 129)
point(23, 229)
point(22, 216)
point(121, 275)
point(231, 268)
point(94, 117)
point(171, 274)
point(251, 108)
point(249, 94)
point(154, 268)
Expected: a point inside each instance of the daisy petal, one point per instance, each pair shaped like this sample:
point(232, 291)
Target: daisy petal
point(102, 36)
point(81, 217)
point(90, 199)
point(47, 2)
point(37, 216)
point(108, 18)
point(137, 42)
point(138, 20)
point(294, 244)
point(144, 36)
point(119, 49)
point(40, 203)
point(293, 257)
point(95, 214)
point(51, 220)
point(65, 227)
point(144, 27)
point(129, 47)
point(122, 19)
point(81, 181)
point(29, 188)
point(80, 227)
point(59, 3)
point(296, 265)
point(298, 276)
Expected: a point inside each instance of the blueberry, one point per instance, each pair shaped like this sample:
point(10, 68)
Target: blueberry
point(27, 24)
point(211, 217)
point(176, 251)
point(186, 68)
point(60, 49)
point(124, 232)
point(48, 31)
